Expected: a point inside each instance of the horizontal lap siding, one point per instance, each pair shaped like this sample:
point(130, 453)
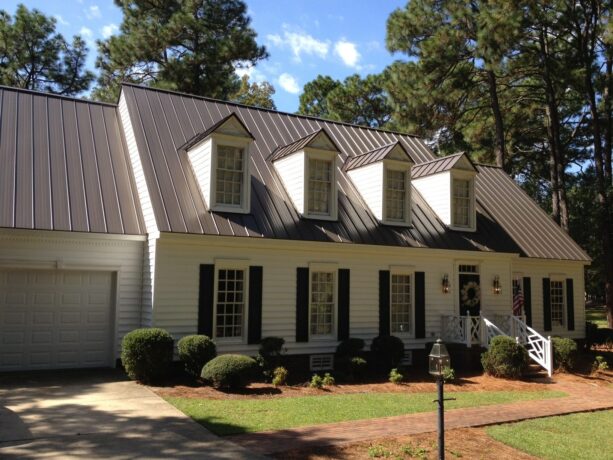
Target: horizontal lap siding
point(43, 249)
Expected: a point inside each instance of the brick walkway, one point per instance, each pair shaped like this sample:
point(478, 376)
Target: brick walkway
point(582, 398)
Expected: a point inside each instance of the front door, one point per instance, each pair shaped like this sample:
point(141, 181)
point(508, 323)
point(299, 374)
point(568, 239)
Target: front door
point(470, 294)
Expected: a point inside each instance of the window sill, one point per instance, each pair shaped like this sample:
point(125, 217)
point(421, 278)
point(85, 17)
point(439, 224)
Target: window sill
point(462, 229)
point(230, 209)
point(322, 338)
point(397, 223)
point(320, 217)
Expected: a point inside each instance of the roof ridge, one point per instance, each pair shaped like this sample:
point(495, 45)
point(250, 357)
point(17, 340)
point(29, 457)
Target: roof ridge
point(55, 95)
point(440, 159)
point(377, 148)
point(238, 104)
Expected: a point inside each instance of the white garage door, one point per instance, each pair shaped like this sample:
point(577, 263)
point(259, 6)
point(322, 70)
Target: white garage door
point(55, 319)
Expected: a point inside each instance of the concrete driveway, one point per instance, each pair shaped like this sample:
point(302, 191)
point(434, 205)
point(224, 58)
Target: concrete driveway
point(98, 414)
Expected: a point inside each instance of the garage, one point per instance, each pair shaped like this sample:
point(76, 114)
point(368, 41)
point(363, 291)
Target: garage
point(55, 319)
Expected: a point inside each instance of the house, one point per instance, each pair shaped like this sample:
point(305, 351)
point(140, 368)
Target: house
point(202, 216)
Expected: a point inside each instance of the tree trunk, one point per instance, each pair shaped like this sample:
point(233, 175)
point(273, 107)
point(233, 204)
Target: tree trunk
point(499, 141)
point(608, 127)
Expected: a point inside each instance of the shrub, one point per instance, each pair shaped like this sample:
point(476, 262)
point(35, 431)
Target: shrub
point(388, 351)
point(316, 382)
point(270, 355)
point(328, 380)
point(229, 371)
point(600, 364)
point(505, 358)
point(396, 377)
point(448, 374)
point(279, 376)
point(195, 351)
point(564, 353)
point(357, 367)
point(346, 352)
point(350, 348)
point(146, 354)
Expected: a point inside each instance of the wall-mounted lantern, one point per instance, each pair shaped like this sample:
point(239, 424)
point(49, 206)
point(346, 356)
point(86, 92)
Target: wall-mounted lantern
point(496, 285)
point(445, 283)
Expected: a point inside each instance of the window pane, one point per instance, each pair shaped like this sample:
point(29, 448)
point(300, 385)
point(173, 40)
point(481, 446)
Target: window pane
point(229, 185)
point(230, 303)
point(461, 203)
point(322, 303)
point(401, 305)
point(557, 303)
point(320, 186)
point(395, 195)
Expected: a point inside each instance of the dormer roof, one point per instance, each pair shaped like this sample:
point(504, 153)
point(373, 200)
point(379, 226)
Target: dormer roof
point(319, 139)
point(231, 125)
point(456, 161)
point(392, 151)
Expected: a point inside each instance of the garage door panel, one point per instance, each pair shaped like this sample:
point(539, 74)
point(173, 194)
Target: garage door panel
point(55, 319)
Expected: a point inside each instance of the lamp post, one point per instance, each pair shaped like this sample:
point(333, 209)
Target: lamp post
point(438, 362)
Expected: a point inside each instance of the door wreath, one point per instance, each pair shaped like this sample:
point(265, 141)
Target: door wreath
point(471, 294)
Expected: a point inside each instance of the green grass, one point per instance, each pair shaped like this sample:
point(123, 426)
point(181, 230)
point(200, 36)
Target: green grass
point(577, 436)
point(231, 416)
point(596, 315)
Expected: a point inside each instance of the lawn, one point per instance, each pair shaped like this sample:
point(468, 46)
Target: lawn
point(577, 436)
point(225, 417)
point(596, 315)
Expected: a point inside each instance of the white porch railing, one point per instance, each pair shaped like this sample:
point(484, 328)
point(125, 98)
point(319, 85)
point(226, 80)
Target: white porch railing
point(479, 330)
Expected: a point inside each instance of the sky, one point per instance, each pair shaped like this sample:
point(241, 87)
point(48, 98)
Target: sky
point(304, 38)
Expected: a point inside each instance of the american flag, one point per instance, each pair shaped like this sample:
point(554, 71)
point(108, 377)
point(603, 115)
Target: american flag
point(518, 300)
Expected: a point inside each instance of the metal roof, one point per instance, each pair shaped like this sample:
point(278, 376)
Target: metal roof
point(164, 120)
point(204, 134)
point(64, 166)
point(296, 146)
point(439, 165)
point(373, 156)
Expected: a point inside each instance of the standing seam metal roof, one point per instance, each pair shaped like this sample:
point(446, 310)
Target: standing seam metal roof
point(373, 156)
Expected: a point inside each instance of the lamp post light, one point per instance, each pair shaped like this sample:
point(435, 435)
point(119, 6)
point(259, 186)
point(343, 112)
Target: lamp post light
point(438, 362)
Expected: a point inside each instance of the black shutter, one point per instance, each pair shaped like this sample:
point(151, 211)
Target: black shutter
point(384, 302)
point(206, 295)
point(254, 324)
point(302, 304)
point(570, 304)
point(528, 300)
point(343, 304)
point(546, 305)
point(420, 305)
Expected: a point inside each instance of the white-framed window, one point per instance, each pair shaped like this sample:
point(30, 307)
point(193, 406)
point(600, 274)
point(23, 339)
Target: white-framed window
point(396, 195)
point(319, 187)
point(231, 302)
point(322, 305)
point(230, 176)
point(556, 299)
point(462, 206)
point(401, 303)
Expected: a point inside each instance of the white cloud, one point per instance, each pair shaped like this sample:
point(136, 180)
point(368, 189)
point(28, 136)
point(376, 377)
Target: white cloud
point(254, 74)
point(60, 20)
point(299, 43)
point(93, 12)
point(288, 83)
point(108, 30)
point(86, 33)
point(348, 52)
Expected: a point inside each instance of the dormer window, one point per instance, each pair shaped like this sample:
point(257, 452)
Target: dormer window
point(307, 168)
point(220, 160)
point(448, 186)
point(383, 178)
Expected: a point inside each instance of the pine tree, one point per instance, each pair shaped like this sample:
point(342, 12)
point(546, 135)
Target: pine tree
point(314, 97)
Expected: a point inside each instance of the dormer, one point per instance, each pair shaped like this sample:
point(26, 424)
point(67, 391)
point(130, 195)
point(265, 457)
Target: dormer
point(383, 178)
point(448, 186)
point(307, 168)
point(219, 158)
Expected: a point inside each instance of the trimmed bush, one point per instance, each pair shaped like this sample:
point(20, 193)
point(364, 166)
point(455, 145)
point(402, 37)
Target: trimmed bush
point(350, 348)
point(388, 351)
point(279, 377)
point(270, 355)
point(346, 352)
point(396, 377)
point(328, 380)
point(146, 354)
point(564, 353)
point(230, 371)
point(505, 358)
point(316, 382)
point(195, 351)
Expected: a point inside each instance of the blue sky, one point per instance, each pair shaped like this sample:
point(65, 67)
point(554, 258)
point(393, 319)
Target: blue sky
point(304, 38)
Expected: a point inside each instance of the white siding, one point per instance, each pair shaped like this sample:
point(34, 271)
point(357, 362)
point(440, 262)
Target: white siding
point(200, 160)
point(179, 257)
point(436, 191)
point(122, 255)
point(291, 171)
point(369, 182)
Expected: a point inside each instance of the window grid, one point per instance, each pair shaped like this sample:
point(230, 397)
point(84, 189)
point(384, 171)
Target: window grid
point(320, 186)
point(230, 303)
point(322, 303)
point(462, 268)
point(401, 304)
point(557, 302)
point(395, 195)
point(461, 203)
point(230, 172)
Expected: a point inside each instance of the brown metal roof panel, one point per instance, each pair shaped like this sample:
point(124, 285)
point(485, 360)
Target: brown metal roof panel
point(24, 174)
point(43, 206)
point(8, 147)
point(59, 192)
